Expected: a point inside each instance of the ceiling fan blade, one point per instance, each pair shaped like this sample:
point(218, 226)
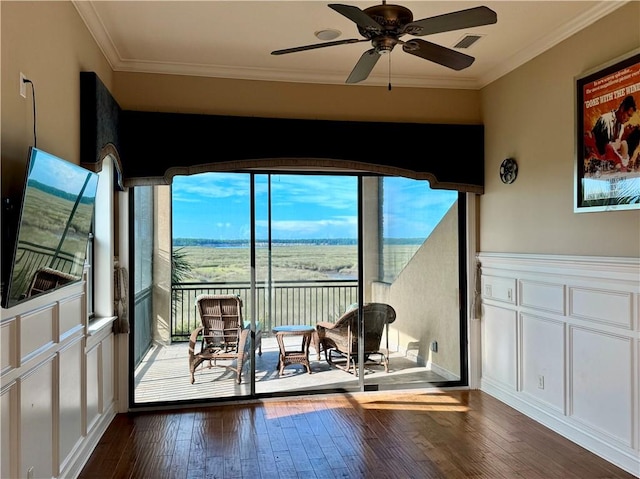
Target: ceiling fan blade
point(472, 17)
point(364, 66)
point(357, 16)
point(318, 45)
point(438, 54)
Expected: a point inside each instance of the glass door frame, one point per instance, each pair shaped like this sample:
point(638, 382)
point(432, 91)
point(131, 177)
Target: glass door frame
point(464, 275)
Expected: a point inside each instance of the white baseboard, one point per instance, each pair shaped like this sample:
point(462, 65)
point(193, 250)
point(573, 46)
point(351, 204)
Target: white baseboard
point(624, 460)
point(440, 371)
point(431, 366)
point(83, 453)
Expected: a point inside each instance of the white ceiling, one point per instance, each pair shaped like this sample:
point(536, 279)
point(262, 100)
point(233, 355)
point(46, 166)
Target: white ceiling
point(234, 39)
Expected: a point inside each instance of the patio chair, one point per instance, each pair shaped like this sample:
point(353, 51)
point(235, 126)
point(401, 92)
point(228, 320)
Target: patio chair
point(340, 339)
point(46, 279)
point(223, 335)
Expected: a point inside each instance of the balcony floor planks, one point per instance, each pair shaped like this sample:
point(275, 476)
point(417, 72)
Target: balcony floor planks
point(398, 434)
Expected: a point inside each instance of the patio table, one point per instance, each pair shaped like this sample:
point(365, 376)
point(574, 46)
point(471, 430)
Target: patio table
point(294, 356)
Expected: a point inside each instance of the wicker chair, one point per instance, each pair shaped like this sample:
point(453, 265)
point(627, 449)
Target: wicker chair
point(340, 339)
point(224, 335)
point(46, 279)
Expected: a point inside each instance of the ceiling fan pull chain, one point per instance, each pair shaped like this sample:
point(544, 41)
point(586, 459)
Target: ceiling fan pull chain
point(389, 71)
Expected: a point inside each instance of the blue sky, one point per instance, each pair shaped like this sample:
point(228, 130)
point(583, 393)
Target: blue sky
point(53, 171)
point(216, 206)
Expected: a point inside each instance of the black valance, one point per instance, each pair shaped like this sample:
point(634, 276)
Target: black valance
point(155, 146)
point(99, 126)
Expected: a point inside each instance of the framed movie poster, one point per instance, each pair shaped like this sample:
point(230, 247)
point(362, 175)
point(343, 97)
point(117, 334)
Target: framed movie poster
point(608, 137)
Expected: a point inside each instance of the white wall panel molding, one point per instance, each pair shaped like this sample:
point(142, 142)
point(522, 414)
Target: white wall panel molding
point(542, 295)
point(71, 314)
point(500, 337)
point(82, 453)
point(107, 382)
point(542, 348)
point(37, 331)
point(602, 305)
point(36, 431)
point(601, 386)
point(499, 288)
point(45, 345)
point(70, 416)
point(8, 346)
point(576, 355)
point(9, 429)
point(565, 266)
point(93, 393)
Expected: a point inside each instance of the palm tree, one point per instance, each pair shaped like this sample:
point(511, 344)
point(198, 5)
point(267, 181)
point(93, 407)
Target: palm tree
point(180, 271)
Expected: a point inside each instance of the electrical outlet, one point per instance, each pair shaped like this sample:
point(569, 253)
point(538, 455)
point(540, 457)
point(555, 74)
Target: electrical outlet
point(510, 294)
point(23, 85)
point(540, 382)
point(487, 290)
point(434, 346)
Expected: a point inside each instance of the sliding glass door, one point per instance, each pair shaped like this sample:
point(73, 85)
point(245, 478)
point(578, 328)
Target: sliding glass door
point(312, 257)
point(422, 274)
point(306, 231)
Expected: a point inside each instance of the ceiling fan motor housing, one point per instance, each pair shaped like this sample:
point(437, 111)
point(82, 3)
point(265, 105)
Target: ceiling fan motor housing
point(392, 18)
point(384, 44)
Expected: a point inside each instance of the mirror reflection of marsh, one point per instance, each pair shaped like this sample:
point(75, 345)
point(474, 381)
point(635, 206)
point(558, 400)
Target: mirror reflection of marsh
point(49, 237)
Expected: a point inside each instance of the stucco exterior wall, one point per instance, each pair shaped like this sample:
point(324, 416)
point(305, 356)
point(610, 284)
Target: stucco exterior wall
point(426, 299)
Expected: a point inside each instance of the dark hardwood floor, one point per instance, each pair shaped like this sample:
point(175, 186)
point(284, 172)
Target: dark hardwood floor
point(397, 434)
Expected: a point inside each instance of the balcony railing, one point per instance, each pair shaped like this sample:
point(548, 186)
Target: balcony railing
point(286, 302)
point(30, 257)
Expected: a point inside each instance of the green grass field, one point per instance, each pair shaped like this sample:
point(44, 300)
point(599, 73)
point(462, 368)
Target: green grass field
point(290, 262)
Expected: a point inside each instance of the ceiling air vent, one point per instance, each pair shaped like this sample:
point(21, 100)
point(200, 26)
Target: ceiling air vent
point(467, 41)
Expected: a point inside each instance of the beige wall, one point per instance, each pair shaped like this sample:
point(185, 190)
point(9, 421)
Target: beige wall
point(49, 43)
point(529, 115)
point(183, 94)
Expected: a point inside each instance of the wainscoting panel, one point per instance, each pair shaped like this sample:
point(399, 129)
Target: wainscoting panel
point(71, 430)
point(543, 349)
point(47, 374)
point(37, 331)
point(93, 386)
point(71, 314)
point(542, 296)
point(36, 421)
point(107, 379)
point(499, 336)
point(499, 289)
point(8, 359)
point(601, 384)
point(574, 364)
point(606, 306)
point(8, 405)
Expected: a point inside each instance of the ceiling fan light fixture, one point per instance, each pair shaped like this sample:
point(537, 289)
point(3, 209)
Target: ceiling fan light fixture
point(327, 34)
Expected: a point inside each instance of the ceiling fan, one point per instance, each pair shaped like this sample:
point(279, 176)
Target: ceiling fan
point(383, 25)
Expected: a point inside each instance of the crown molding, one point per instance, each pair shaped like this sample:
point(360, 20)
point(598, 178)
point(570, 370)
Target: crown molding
point(601, 9)
point(96, 27)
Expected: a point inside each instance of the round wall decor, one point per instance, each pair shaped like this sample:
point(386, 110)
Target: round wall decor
point(508, 171)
